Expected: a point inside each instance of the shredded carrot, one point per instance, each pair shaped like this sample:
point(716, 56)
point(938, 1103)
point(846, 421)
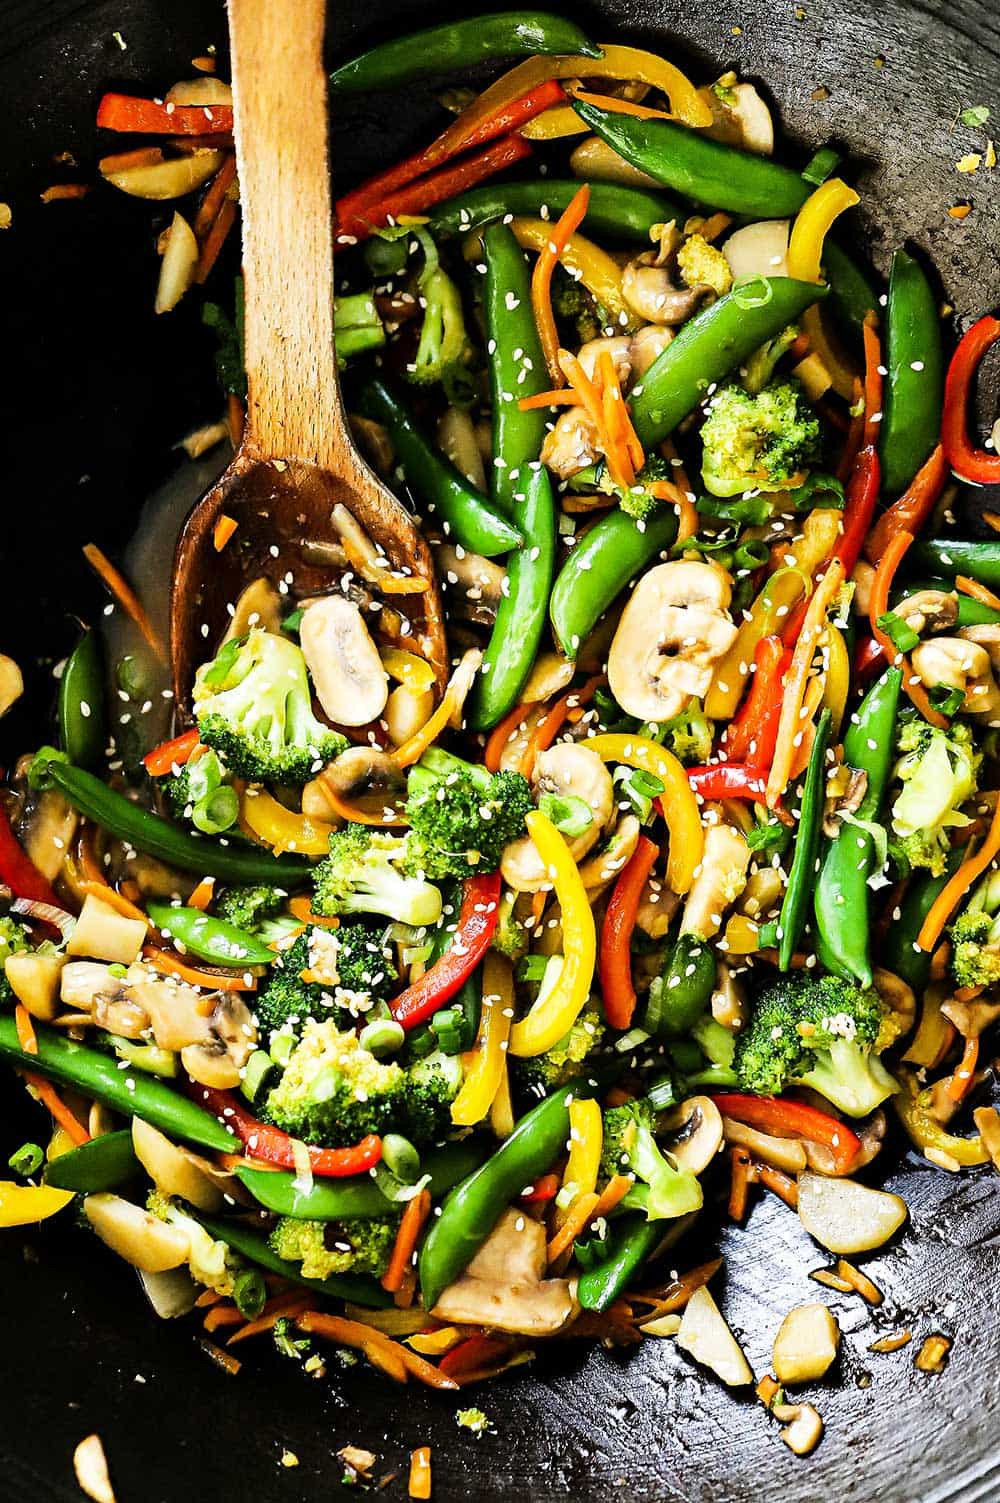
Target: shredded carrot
point(411, 1223)
point(114, 899)
point(941, 909)
point(543, 734)
point(59, 1111)
point(125, 596)
point(353, 813)
point(222, 1315)
point(502, 734)
point(877, 606)
point(961, 1081)
point(538, 902)
point(142, 156)
point(561, 398)
point(977, 591)
point(992, 519)
point(580, 1214)
point(541, 278)
point(172, 965)
point(64, 191)
point(740, 1166)
point(412, 750)
point(616, 414)
point(621, 106)
point(214, 197)
point(790, 724)
point(420, 1473)
point(203, 894)
point(26, 1035)
point(208, 1297)
point(284, 1306)
point(215, 239)
point(225, 1360)
point(687, 514)
point(394, 1359)
point(223, 530)
point(615, 1190)
point(873, 382)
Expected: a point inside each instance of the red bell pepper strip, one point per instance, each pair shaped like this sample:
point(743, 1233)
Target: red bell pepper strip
point(614, 962)
point(145, 117)
point(859, 508)
point(453, 141)
point(965, 457)
point(795, 1119)
point(751, 736)
point(170, 754)
point(729, 780)
point(18, 871)
point(434, 189)
point(544, 1189)
point(868, 655)
point(262, 1141)
point(911, 511)
point(473, 1353)
point(477, 920)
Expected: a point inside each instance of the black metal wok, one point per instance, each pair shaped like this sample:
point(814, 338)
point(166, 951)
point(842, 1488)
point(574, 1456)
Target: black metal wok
point(99, 392)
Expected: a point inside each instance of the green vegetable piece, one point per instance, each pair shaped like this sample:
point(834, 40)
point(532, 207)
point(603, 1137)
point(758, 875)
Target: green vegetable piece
point(344, 1199)
point(104, 1163)
point(795, 904)
point(614, 211)
point(914, 386)
point(83, 729)
point(356, 1288)
point(599, 567)
point(209, 938)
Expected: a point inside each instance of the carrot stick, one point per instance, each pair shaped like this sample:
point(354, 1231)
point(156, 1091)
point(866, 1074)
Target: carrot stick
point(877, 606)
point(26, 1035)
point(114, 899)
point(222, 1315)
point(214, 198)
point(541, 278)
point(581, 1212)
point(172, 965)
point(411, 1223)
point(561, 398)
point(615, 1190)
point(352, 813)
point(789, 725)
point(215, 240)
point(223, 531)
point(941, 909)
point(203, 893)
point(64, 191)
point(59, 1111)
point(125, 597)
point(420, 1473)
point(504, 733)
point(622, 106)
point(977, 591)
point(285, 1305)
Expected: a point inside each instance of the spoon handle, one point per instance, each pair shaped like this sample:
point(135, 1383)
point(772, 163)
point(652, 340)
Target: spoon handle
point(280, 100)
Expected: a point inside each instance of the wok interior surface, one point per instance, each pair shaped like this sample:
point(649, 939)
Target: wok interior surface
point(103, 391)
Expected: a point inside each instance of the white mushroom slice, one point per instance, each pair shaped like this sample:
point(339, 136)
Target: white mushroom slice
point(758, 250)
point(11, 683)
point(571, 444)
point(720, 879)
point(179, 264)
point(648, 344)
point(218, 1060)
point(673, 631)
point(48, 831)
point(504, 1288)
point(692, 1133)
point(649, 290)
point(959, 664)
point(347, 673)
point(598, 162)
point(847, 1217)
point(136, 1235)
point(176, 1011)
point(618, 346)
point(260, 605)
point(174, 1170)
point(571, 770)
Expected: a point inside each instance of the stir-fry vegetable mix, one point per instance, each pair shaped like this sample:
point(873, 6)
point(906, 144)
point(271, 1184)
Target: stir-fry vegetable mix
point(461, 1011)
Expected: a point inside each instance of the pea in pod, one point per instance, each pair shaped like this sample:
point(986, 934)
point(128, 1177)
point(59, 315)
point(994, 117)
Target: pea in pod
point(82, 709)
point(633, 1240)
point(948, 557)
point(209, 938)
point(280, 1191)
point(679, 996)
point(599, 567)
point(914, 385)
point(852, 296)
point(902, 955)
point(615, 211)
point(252, 1245)
point(104, 1163)
point(802, 875)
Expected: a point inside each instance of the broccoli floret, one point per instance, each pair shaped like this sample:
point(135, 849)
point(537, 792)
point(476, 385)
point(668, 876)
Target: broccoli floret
point(461, 816)
point(210, 1262)
point(14, 940)
point(333, 1091)
point(565, 1060)
point(639, 500)
point(432, 1083)
point(939, 772)
point(357, 1245)
point(764, 442)
point(574, 304)
point(253, 706)
point(689, 735)
point(630, 1147)
point(820, 1032)
point(975, 937)
point(702, 264)
point(370, 871)
point(510, 936)
point(348, 967)
point(443, 353)
point(249, 907)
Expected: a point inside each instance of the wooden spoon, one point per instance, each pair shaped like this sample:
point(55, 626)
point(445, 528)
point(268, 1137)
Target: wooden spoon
point(296, 460)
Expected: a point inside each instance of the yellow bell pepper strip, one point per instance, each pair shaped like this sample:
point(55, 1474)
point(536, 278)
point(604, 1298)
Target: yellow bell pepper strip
point(677, 802)
point(21, 1205)
point(838, 676)
point(813, 635)
point(805, 256)
point(586, 1140)
point(407, 668)
point(766, 617)
point(447, 713)
point(264, 818)
point(502, 1108)
point(484, 1067)
point(631, 64)
point(557, 1009)
point(924, 1132)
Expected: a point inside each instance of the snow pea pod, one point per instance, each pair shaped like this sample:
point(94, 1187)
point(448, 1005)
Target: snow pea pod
point(457, 46)
point(618, 212)
point(102, 1164)
point(902, 955)
point(251, 1244)
point(471, 519)
point(82, 717)
point(810, 829)
point(701, 169)
point(852, 295)
point(334, 1200)
point(710, 345)
point(633, 1240)
point(914, 387)
point(599, 567)
point(473, 1208)
point(841, 894)
point(209, 938)
point(679, 996)
point(130, 1092)
point(948, 557)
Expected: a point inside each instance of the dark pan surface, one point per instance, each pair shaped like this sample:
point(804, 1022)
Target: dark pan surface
point(102, 391)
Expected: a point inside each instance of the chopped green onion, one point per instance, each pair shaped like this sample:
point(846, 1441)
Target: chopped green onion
point(249, 1293)
point(381, 1037)
point(401, 1158)
point(292, 622)
point(281, 1046)
point(423, 1041)
point(448, 1026)
point(259, 1069)
point(570, 815)
point(949, 701)
point(754, 292)
point(217, 812)
point(631, 1040)
point(640, 788)
point(820, 165)
point(27, 1160)
point(532, 968)
point(662, 1094)
point(117, 970)
point(147, 1057)
point(752, 554)
point(900, 633)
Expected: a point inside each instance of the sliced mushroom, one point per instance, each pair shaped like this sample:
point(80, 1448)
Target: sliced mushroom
point(571, 770)
point(472, 583)
point(176, 1012)
point(720, 879)
point(898, 996)
point(618, 346)
point(971, 1018)
point(175, 1170)
point(986, 636)
point(605, 864)
point(673, 630)
point(374, 442)
point(363, 771)
point(571, 444)
point(347, 673)
point(692, 1133)
point(930, 610)
point(650, 291)
point(258, 605)
point(82, 981)
point(11, 683)
point(551, 674)
point(598, 162)
point(648, 344)
point(657, 907)
point(406, 711)
point(46, 830)
point(788, 1154)
point(136, 1235)
point(504, 1287)
point(218, 1060)
point(961, 664)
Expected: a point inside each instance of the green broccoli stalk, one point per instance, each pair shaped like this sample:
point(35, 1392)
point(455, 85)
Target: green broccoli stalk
point(975, 937)
point(210, 1262)
point(822, 1032)
point(355, 1245)
point(565, 1060)
point(14, 940)
point(630, 1147)
point(689, 735)
point(760, 367)
point(249, 907)
point(370, 871)
point(348, 967)
point(253, 706)
point(764, 442)
point(462, 816)
point(444, 352)
point(939, 772)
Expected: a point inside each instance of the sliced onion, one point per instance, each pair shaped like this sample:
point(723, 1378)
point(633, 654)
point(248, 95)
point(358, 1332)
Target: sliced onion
point(171, 1294)
point(180, 261)
point(170, 178)
point(91, 1467)
point(45, 913)
point(759, 249)
point(203, 90)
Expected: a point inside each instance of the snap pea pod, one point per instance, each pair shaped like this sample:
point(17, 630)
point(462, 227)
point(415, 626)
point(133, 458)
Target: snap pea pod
point(852, 296)
point(102, 1164)
point(473, 1208)
point(841, 895)
point(951, 556)
point(679, 996)
point(130, 1092)
point(158, 837)
point(914, 385)
point(456, 46)
point(970, 612)
point(901, 954)
point(599, 567)
point(802, 875)
point(251, 1244)
point(334, 1200)
point(633, 1240)
point(209, 938)
point(615, 211)
point(709, 346)
point(701, 169)
point(469, 517)
point(82, 710)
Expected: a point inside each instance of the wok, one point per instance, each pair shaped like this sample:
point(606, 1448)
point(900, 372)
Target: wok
point(101, 390)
